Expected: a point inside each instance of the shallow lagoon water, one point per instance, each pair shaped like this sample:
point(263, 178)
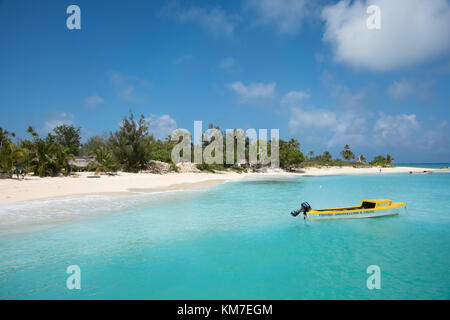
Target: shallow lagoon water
point(235, 241)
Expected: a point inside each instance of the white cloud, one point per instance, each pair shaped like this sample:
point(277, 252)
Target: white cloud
point(400, 90)
point(335, 129)
point(56, 119)
point(351, 128)
point(395, 130)
point(161, 126)
point(93, 101)
point(294, 97)
point(287, 15)
point(313, 118)
point(322, 128)
point(255, 90)
point(412, 31)
point(215, 20)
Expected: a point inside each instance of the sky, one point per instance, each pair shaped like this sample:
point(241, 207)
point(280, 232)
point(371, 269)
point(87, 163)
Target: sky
point(312, 69)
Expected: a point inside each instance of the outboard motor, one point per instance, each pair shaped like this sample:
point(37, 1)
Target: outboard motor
point(305, 207)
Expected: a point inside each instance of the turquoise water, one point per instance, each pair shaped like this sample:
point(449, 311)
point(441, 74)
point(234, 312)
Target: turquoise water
point(423, 165)
point(234, 241)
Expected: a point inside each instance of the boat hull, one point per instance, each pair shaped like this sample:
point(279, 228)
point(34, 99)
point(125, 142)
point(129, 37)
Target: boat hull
point(354, 214)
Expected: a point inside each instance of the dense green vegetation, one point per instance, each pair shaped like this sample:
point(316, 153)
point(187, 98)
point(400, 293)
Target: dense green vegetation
point(382, 161)
point(132, 146)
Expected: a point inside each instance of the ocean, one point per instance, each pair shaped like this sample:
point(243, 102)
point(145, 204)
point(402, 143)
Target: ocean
point(232, 241)
point(423, 165)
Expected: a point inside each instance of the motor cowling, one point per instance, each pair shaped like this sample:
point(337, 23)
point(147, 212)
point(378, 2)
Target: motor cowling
point(304, 208)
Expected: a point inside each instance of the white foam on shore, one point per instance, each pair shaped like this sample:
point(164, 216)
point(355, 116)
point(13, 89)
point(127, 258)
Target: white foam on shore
point(58, 209)
point(33, 215)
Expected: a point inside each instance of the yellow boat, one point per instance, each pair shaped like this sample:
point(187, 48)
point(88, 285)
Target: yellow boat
point(368, 209)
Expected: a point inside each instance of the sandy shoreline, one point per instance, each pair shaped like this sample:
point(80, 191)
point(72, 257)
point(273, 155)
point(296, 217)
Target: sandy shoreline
point(35, 188)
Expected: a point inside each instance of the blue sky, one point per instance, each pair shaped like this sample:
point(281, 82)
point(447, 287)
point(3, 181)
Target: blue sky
point(309, 68)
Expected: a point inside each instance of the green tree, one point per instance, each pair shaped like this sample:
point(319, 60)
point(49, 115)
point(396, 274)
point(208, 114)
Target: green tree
point(326, 156)
point(290, 154)
point(347, 154)
point(129, 143)
point(362, 158)
point(11, 158)
point(389, 160)
point(92, 145)
point(61, 159)
point(69, 137)
point(5, 136)
point(47, 158)
point(159, 150)
point(104, 161)
point(378, 161)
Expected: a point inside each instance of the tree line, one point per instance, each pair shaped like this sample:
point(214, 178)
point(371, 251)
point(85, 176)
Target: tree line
point(129, 149)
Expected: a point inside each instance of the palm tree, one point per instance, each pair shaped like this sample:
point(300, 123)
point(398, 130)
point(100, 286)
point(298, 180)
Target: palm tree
point(4, 136)
point(43, 155)
point(44, 158)
point(62, 157)
point(389, 160)
point(347, 154)
point(327, 156)
point(362, 158)
point(11, 158)
point(311, 153)
point(104, 160)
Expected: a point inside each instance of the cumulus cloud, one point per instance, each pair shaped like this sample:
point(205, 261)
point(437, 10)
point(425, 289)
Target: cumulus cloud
point(93, 101)
point(331, 128)
point(412, 32)
point(397, 129)
point(161, 126)
point(215, 20)
point(56, 119)
point(312, 118)
point(336, 129)
point(255, 90)
point(294, 98)
point(286, 15)
point(351, 128)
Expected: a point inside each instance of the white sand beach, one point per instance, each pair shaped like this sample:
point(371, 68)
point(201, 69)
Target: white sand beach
point(34, 188)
